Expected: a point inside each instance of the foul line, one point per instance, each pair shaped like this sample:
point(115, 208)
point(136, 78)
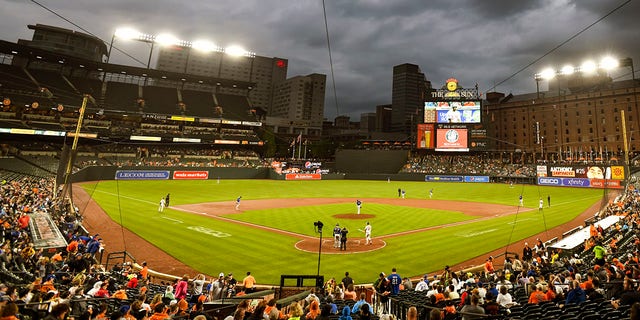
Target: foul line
point(307, 237)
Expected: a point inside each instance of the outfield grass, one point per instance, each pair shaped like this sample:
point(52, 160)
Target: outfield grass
point(212, 246)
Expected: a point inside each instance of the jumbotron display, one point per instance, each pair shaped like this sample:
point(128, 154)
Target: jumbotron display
point(452, 112)
point(452, 120)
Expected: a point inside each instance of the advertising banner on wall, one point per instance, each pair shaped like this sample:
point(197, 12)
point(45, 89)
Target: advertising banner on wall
point(142, 175)
point(589, 172)
point(476, 178)
point(579, 182)
point(429, 178)
point(190, 175)
point(303, 176)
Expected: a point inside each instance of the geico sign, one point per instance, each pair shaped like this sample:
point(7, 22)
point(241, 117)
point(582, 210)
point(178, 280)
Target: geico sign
point(549, 181)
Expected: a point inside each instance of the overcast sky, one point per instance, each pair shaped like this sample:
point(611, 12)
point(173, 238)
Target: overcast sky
point(475, 41)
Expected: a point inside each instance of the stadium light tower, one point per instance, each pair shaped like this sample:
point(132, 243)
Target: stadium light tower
point(605, 64)
point(587, 67)
point(165, 39)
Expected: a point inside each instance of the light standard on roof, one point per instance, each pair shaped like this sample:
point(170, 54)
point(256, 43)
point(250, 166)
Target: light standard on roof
point(165, 39)
point(587, 67)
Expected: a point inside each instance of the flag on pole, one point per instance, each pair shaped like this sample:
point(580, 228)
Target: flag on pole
point(293, 143)
point(299, 139)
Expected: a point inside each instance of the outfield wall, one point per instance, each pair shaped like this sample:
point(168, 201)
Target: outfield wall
point(371, 161)
point(109, 172)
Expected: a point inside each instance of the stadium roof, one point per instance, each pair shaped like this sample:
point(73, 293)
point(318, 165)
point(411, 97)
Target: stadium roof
point(36, 54)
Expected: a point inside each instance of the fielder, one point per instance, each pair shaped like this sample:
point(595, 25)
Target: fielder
point(367, 233)
point(238, 203)
point(161, 206)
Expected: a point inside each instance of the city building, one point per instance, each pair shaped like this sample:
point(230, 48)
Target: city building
point(410, 87)
point(383, 117)
point(367, 122)
point(579, 121)
point(300, 98)
point(264, 71)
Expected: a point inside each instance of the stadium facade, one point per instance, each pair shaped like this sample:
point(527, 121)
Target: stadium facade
point(580, 122)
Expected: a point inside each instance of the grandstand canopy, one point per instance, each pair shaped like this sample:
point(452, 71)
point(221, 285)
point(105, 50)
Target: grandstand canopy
point(36, 54)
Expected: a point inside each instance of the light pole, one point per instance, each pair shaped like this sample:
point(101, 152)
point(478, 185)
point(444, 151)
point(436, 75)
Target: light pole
point(318, 227)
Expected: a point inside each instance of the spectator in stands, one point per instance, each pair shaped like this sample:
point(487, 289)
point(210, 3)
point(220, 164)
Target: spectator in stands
point(295, 311)
point(198, 285)
point(9, 311)
point(58, 312)
point(168, 293)
point(159, 312)
point(329, 301)
point(350, 294)
point(181, 287)
point(412, 313)
point(314, 310)
point(395, 281)
point(356, 306)
point(504, 298)
point(599, 252)
point(629, 296)
point(527, 252)
point(635, 311)
point(575, 295)
point(423, 284)
point(473, 310)
point(248, 283)
point(488, 267)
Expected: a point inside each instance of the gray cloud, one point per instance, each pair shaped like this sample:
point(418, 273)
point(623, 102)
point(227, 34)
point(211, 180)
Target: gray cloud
point(475, 41)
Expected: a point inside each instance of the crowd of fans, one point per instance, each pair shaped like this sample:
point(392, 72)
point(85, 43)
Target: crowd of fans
point(468, 164)
point(599, 278)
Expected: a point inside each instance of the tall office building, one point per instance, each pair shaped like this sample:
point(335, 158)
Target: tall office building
point(301, 100)
point(264, 71)
point(410, 87)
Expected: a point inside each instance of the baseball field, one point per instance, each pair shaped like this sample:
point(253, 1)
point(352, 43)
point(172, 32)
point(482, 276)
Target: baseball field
point(273, 231)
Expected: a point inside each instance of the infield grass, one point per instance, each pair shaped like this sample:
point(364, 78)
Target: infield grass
point(213, 245)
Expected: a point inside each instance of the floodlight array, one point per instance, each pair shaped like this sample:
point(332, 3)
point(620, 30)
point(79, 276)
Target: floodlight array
point(170, 40)
point(589, 66)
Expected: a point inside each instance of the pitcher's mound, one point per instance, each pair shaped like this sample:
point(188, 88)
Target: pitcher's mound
point(353, 216)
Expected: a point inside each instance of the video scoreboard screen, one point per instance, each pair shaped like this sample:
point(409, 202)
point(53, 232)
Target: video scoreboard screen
point(452, 112)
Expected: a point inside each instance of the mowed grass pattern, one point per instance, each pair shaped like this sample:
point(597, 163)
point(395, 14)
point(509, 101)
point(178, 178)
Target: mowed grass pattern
point(196, 239)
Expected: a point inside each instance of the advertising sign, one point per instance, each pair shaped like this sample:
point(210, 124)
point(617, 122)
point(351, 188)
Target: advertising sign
point(589, 172)
point(426, 135)
point(142, 175)
point(476, 178)
point(190, 175)
point(541, 171)
point(444, 178)
point(579, 182)
point(452, 139)
point(303, 176)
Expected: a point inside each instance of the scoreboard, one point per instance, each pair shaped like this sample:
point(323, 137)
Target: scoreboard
point(452, 120)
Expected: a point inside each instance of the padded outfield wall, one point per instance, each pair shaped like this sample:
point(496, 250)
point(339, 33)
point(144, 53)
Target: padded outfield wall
point(371, 161)
point(109, 173)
